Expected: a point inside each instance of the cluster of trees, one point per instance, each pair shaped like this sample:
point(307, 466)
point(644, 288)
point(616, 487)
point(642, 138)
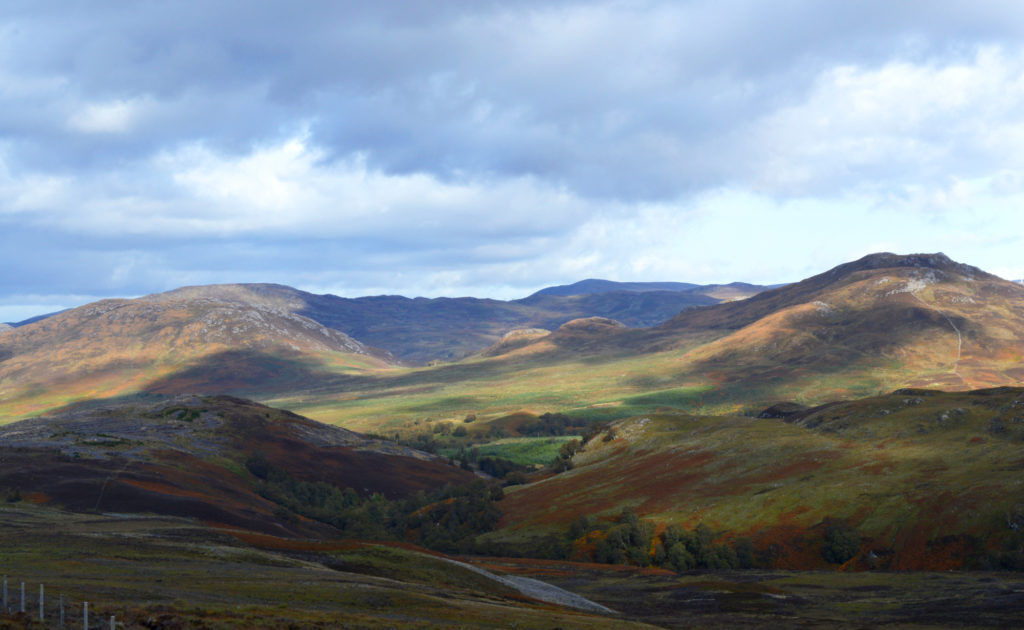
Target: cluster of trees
point(447, 520)
point(842, 542)
point(632, 540)
point(563, 461)
point(553, 424)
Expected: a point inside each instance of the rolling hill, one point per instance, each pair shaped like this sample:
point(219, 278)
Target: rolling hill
point(720, 292)
point(595, 285)
point(918, 320)
point(861, 329)
point(872, 325)
point(866, 327)
point(783, 418)
point(927, 479)
point(421, 330)
point(211, 339)
point(187, 456)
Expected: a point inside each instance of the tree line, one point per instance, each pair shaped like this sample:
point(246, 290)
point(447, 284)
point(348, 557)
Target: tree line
point(446, 520)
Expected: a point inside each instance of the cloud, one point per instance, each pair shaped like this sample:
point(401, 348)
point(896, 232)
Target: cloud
point(898, 125)
point(118, 116)
point(491, 148)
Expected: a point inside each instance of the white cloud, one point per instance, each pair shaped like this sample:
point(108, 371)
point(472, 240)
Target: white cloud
point(31, 192)
point(292, 187)
point(117, 116)
point(901, 124)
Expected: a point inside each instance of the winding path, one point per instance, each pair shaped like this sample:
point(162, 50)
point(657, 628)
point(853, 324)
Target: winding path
point(540, 590)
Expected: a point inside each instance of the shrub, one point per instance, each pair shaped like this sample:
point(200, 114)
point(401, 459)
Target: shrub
point(718, 557)
point(680, 559)
point(258, 465)
point(842, 543)
point(745, 553)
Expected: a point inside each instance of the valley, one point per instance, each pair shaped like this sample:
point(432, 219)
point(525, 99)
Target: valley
point(727, 455)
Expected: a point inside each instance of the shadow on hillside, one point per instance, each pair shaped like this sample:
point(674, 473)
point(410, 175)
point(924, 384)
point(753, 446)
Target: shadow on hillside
point(853, 349)
point(254, 374)
point(850, 350)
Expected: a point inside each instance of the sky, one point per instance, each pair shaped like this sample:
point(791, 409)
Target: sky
point(493, 148)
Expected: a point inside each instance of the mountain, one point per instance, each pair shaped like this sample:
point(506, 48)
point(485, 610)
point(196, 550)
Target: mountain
point(210, 339)
point(32, 320)
point(5, 327)
point(881, 322)
point(591, 286)
point(719, 292)
point(187, 456)
point(866, 327)
point(421, 330)
point(869, 326)
point(916, 320)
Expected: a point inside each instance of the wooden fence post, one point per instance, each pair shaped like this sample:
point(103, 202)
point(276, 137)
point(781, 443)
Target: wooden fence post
point(112, 624)
point(85, 615)
point(22, 597)
point(61, 610)
point(40, 602)
point(6, 610)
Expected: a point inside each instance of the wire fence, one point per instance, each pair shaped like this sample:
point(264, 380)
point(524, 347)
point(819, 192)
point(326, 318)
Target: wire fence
point(50, 612)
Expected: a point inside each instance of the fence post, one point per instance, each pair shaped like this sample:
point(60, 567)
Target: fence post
point(85, 615)
point(61, 610)
point(40, 602)
point(22, 597)
point(112, 624)
point(6, 609)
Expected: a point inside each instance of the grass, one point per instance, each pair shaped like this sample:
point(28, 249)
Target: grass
point(925, 485)
point(785, 599)
point(148, 568)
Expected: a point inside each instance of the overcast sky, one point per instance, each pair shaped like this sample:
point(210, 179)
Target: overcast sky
point(493, 148)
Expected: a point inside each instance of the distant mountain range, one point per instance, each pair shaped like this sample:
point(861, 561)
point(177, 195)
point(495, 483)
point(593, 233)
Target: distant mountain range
point(720, 292)
point(881, 322)
point(420, 330)
point(921, 320)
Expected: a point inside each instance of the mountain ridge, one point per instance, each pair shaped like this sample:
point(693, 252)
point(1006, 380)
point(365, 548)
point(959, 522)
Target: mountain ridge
point(876, 324)
point(597, 285)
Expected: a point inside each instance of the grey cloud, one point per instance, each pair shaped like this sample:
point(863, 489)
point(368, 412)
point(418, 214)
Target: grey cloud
point(572, 92)
point(609, 105)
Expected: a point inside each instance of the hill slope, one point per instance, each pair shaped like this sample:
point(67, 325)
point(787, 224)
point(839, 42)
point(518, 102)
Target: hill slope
point(420, 330)
point(919, 320)
point(928, 480)
point(866, 327)
point(593, 285)
point(186, 456)
point(221, 338)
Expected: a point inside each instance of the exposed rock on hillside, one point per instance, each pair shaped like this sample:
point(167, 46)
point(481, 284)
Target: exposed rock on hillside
point(514, 340)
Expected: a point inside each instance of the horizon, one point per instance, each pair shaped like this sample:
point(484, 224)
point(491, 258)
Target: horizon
point(767, 285)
